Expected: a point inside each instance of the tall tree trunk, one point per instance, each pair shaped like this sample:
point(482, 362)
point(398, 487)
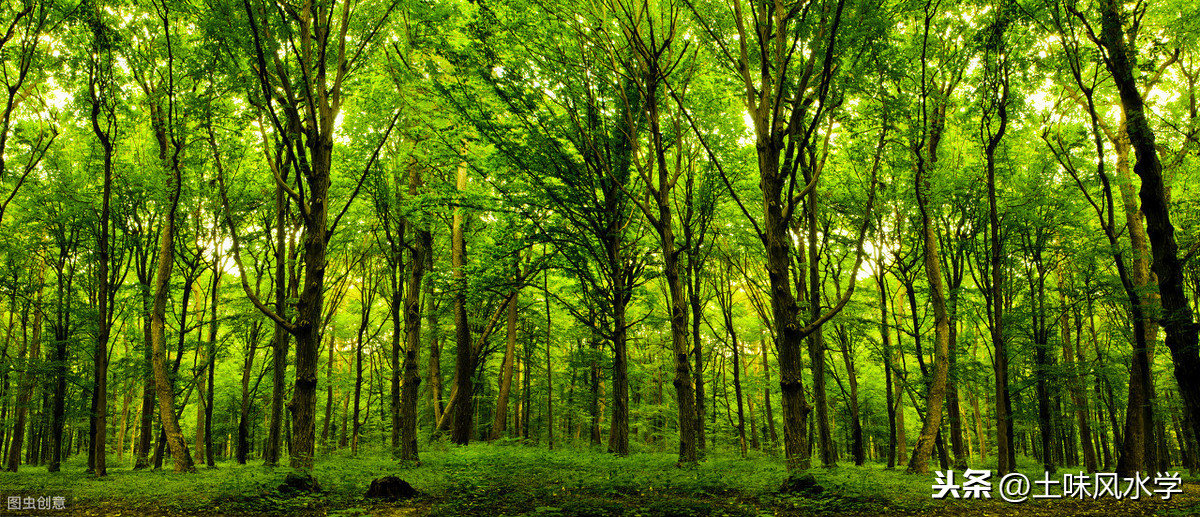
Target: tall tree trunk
point(618, 431)
point(141, 450)
point(1042, 365)
point(952, 398)
point(926, 153)
point(62, 327)
point(279, 339)
point(594, 407)
point(1072, 356)
point(98, 87)
point(1177, 318)
point(328, 392)
point(737, 388)
point(210, 400)
point(395, 305)
point(421, 256)
point(770, 411)
point(500, 422)
point(435, 345)
point(816, 340)
point(856, 435)
point(243, 432)
point(900, 381)
point(28, 378)
point(464, 357)
point(162, 281)
point(886, 337)
point(549, 370)
point(365, 288)
point(995, 124)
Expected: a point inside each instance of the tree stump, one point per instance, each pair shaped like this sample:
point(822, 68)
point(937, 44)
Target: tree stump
point(299, 483)
point(391, 488)
point(805, 485)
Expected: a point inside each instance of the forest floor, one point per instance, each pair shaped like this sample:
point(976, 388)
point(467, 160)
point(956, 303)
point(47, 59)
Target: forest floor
point(504, 479)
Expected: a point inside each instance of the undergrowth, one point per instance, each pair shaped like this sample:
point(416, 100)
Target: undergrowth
point(499, 480)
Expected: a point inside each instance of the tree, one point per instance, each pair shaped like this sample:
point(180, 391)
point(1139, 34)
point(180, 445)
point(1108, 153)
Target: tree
point(301, 91)
point(788, 128)
point(1182, 333)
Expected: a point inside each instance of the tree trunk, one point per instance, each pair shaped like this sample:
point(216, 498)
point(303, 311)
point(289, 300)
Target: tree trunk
point(28, 376)
point(618, 431)
point(105, 293)
point(435, 344)
point(243, 432)
point(856, 436)
point(421, 256)
point(279, 339)
point(328, 393)
point(162, 281)
point(1177, 318)
point(886, 337)
point(926, 158)
point(61, 325)
point(737, 388)
point(770, 411)
point(464, 357)
point(500, 422)
point(549, 370)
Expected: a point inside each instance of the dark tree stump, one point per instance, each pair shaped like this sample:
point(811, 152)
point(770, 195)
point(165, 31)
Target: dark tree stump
point(805, 485)
point(391, 488)
point(299, 483)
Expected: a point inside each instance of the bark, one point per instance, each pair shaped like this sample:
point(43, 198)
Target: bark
point(366, 290)
point(1139, 418)
point(770, 411)
point(500, 422)
point(737, 388)
point(856, 434)
point(594, 407)
point(886, 338)
point(693, 296)
point(243, 432)
point(933, 123)
point(165, 393)
point(1042, 364)
point(724, 292)
point(395, 303)
point(900, 381)
point(421, 256)
point(816, 340)
point(755, 442)
point(103, 124)
point(305, 122)
point(1005, 455)
point(549, 370)
point(784, 129)
point(464, 365)
point(618, 431)
point(143, 257)
point(279, 339)
point(62, 329)
point(663, 223)
point(955, 261)
point(1176, 312)
point(210, 356)
point(435, 346)
point(28, 379)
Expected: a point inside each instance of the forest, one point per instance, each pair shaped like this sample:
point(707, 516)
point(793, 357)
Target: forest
point(613, 257)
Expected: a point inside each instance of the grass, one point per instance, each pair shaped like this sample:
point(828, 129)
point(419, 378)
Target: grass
point(500, 480)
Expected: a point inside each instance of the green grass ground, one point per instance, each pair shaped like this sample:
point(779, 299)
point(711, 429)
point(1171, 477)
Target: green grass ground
point(511, 480)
